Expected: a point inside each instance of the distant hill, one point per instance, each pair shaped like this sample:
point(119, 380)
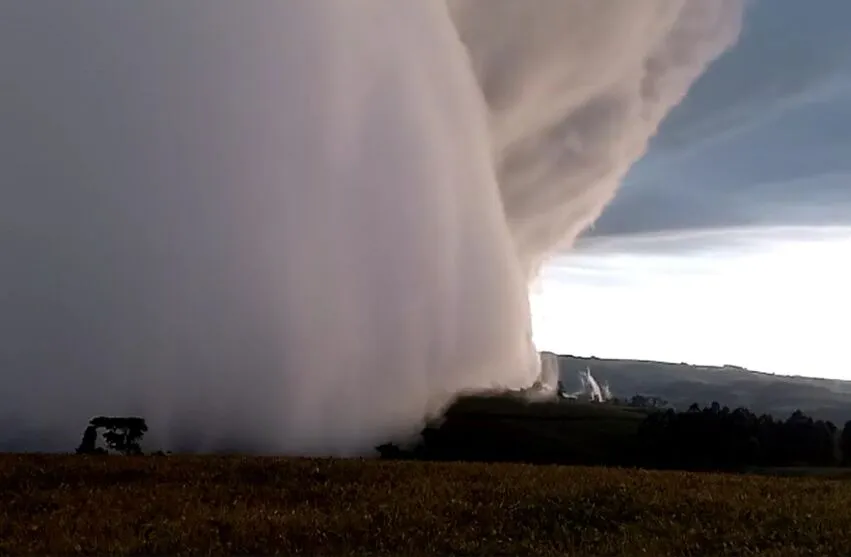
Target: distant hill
point(683, 384)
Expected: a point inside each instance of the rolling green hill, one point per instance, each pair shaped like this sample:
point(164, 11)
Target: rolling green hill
point(683, 384)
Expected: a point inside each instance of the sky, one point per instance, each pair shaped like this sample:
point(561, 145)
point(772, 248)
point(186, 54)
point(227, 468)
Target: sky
point(730, 240)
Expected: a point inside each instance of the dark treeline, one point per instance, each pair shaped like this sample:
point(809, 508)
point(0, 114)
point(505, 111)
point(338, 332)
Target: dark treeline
point(700, 438)
point(715, 437)
point(635, 432)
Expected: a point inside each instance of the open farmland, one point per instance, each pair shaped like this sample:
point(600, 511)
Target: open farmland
point(194, 505)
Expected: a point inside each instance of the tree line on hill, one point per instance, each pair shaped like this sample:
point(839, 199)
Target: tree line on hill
point(643, 434)
point(713, 437)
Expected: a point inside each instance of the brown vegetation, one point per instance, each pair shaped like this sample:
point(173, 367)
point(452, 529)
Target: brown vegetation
point(193, 505)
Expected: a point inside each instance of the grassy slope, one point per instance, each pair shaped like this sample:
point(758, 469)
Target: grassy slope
point(115, 505)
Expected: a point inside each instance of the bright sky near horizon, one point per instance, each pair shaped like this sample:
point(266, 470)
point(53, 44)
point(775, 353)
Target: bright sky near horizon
point(730, 241)
point(771, 302)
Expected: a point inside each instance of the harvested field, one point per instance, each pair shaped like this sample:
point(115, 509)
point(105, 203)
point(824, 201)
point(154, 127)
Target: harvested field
point(211, 504)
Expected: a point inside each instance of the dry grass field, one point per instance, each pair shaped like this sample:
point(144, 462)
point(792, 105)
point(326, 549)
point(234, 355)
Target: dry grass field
point(203, 505)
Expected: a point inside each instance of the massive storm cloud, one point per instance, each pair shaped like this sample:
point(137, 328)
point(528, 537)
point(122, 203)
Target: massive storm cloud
point(299, 227)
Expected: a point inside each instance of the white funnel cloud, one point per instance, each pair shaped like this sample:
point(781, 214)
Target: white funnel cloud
point(298, 227)
point(546, 386)
point(549, 371)
point(591, 389)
